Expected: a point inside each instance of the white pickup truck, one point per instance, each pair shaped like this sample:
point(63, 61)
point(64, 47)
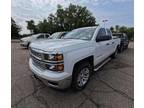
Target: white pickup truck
point(70, 61)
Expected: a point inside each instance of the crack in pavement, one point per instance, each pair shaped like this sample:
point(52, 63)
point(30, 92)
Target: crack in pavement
point(117, 91)
point(114, 89)
point(120, 71)
point(81, 103)
point(101, 91)
point(31, 94)
point(97, 105)
point(126, 73)
point(39, 98)
point(22, 99)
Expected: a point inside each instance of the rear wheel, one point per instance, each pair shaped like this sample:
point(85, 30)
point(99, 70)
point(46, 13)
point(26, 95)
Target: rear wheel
point(126, 46)
point(115, 53)
point(121, 48)
point(81, 76)
point(28, 45)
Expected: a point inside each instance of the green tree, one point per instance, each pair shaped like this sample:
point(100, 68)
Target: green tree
point(117, 28)
point(74, 17)
point(15, 29)
point(32, 27)
point(123, 29)
point(112, 29)
point(130, 33)
point(65, 19)
point(43, 26)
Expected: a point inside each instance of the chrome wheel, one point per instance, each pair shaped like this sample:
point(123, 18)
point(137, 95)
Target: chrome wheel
point(83, 77)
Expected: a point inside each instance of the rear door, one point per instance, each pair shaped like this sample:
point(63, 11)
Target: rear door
point(102, 46)
point(111, 42)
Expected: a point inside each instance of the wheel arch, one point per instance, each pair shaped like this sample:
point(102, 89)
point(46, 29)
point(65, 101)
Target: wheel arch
point(89, 59)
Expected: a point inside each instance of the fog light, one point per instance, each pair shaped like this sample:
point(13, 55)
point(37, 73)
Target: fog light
point(58, 67)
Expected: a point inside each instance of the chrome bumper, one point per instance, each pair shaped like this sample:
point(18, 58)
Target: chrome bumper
point(61, 81)
point(23, 44)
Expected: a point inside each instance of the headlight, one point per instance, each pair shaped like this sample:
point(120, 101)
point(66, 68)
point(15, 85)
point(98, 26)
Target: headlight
point(53, 57)
point(58, 67)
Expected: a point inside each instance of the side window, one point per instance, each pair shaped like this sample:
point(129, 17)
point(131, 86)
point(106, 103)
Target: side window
point(101, 32)
point(63, 34)
point(109, 33)
point(46, 36)
point(40, 37)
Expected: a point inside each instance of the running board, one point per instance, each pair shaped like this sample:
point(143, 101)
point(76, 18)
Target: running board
point(103, 63)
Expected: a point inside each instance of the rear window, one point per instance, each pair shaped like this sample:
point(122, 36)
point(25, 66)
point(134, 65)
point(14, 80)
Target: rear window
point(118, 35)
point(108, 32)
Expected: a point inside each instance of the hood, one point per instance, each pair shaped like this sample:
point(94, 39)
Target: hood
point(26, 38)
point(59, 45)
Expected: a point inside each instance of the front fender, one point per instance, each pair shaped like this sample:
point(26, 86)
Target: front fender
point(75, 56)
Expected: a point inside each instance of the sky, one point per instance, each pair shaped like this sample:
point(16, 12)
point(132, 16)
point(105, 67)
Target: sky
point(117, 12)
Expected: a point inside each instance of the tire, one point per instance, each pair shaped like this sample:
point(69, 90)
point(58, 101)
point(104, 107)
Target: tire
point(126, 46)
point(121, 48)
point(28, 45)
point(81, 76)
point(115, 53)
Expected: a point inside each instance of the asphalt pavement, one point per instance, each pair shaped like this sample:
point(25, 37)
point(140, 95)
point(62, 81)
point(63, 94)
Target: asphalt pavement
point(110, 87)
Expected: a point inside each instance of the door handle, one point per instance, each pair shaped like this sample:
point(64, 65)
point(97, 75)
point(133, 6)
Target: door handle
point(107, 43)
point(112, 42)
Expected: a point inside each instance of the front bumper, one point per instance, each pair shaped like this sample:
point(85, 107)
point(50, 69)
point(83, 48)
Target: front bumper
point(50, 78)
point(23, 43)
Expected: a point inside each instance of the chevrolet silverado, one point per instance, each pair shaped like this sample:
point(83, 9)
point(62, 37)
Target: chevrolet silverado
point(70, 61)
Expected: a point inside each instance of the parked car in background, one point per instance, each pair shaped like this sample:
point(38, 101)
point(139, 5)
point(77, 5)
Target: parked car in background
point(71, 60)
point(124, 41)
point(25, 42)
point(57, 35)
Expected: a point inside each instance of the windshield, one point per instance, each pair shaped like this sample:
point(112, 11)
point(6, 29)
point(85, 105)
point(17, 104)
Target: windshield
point(36, 35)
point(82, 33)
point(55, 35)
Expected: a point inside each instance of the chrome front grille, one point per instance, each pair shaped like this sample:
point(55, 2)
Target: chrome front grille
point(38, 63)
point(36, 54)
point(37, 58)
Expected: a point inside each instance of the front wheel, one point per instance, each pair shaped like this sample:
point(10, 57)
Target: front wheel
point(81, 76)
point(28, 45)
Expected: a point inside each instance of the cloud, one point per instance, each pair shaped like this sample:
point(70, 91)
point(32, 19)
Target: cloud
point(23, 10)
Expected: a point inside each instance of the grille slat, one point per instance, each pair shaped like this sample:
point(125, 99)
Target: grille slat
point(37, 54)
point(39, 63)
point(36, 61)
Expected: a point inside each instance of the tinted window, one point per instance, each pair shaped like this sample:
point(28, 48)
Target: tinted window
point(46, 35)
point(101, 32)
point(101, 36)
point(118, 35)
point(109, 33)
point(63, 34)
point(55, 35)
point(40, 36)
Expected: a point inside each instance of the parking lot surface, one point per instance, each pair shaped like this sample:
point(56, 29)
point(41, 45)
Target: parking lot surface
point(110, 87)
